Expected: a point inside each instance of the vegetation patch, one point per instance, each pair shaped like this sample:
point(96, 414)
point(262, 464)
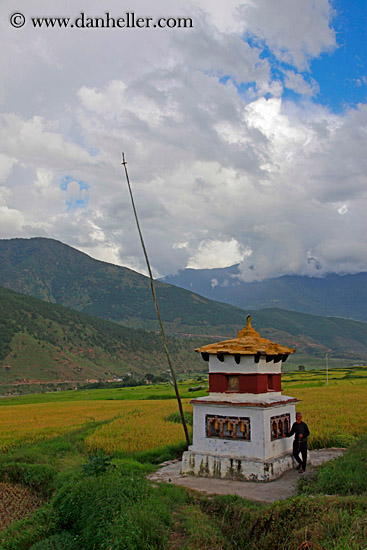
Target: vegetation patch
point(99, 497)
point(17, 502)
point(42, 343)
point(345, 476)
point(322, 522)
point(37, 477)
point(142, 427)
point(176, 417)
point(336, 414)
point(198, 530)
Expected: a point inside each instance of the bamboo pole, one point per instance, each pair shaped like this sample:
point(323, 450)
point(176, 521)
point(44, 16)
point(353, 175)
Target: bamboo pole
point(173, 374)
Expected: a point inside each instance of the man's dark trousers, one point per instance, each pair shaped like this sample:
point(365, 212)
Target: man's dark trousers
point(300, 447)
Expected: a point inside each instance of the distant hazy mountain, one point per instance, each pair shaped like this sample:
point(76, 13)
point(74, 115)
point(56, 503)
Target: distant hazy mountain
point(337, 295)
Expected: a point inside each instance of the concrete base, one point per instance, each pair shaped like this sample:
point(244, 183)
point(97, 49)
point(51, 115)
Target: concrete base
point(244, 469)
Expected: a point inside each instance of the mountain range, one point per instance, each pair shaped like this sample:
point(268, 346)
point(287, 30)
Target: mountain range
point(336, 295)
point(42, 344)
point(96, 336)
point(50, 270)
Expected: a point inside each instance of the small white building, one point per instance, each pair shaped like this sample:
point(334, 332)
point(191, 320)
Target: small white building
point(239, 428)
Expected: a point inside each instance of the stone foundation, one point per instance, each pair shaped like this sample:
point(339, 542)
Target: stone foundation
point(244, 469)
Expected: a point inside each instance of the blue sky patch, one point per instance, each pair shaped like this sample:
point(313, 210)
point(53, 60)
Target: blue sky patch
point(340, 75)
point(74, 204)
point(67, 179)
point(79, 200)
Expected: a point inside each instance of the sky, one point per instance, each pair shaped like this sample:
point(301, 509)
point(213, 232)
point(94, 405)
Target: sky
point(244, 132)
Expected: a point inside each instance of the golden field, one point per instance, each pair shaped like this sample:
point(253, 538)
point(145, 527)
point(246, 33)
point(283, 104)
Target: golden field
point(141, 428)
point(335, 415)
point(138, 425)
point(30, 423)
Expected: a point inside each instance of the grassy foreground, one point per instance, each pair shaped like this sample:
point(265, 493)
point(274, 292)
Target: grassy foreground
point(100, 502)
point(91, 499)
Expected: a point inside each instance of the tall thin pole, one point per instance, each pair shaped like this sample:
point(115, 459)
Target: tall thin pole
point(327, 368)
point(157, 308)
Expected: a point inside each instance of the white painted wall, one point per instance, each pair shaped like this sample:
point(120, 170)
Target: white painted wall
point(241, 397)
point(259, 447)
point(247, 365)
point(278, 446)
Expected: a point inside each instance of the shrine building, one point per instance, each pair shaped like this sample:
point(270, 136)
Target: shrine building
point(239, 428)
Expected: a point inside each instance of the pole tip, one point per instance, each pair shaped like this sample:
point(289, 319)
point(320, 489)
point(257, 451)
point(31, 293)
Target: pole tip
point(123, 159)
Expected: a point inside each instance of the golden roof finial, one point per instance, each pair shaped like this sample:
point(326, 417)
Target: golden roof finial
point(248, 342)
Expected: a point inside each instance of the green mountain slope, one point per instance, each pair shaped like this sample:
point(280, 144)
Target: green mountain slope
point(55, 272)
point(45, 343)
point(42, 344)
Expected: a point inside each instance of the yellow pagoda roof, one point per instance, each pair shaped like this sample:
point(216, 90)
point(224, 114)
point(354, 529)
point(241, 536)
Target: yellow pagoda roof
point(248, 342)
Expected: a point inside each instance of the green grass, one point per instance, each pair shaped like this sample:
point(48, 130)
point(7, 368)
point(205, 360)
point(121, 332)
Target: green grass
point(100, 502)
point(345, 476)
point(286, 525)
point(315, 362)
point(151, 391)
point(313, 378)
point(228, 522)
point(317, 377)
point(198, 530)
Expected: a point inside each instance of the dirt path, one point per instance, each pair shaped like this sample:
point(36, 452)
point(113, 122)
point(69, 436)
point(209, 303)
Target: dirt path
point(281, 488)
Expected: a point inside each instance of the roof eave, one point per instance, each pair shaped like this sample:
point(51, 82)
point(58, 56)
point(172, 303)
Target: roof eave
point(245, 352)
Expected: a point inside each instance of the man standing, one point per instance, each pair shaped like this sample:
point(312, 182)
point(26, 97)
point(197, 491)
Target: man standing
point(301, 433)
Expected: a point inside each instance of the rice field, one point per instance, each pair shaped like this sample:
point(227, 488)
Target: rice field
point(143, 426)
point(135, 425)
point(336, 415)
point(31, 423)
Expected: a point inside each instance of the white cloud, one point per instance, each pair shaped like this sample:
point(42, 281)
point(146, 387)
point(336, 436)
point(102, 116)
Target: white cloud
point(342, 208)
point(11, 221)
point(296, 31)
point(214, 282)
point(6, 166)
point(298, 84)
point(36, 143)
point(216, 171)
point(212, 253)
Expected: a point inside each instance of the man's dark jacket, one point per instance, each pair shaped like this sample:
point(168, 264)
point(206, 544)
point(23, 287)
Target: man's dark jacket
point(298, 429)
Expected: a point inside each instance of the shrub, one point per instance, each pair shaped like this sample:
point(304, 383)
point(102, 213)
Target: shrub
point(176, 417)
point(22, 534)
point(62, 541)
point(39, 477)
point(97, 464)
point(117, 510)
point(322, 522)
